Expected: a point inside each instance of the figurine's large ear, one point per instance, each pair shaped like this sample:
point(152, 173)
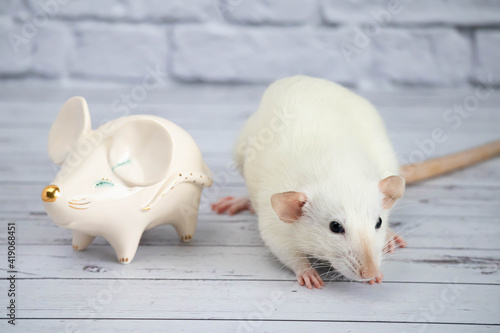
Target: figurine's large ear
point(141, 152)
point(71, 123)
point(393, 188)
point(288, 205)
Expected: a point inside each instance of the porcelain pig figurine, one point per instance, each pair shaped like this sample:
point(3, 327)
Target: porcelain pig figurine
point(130, 175)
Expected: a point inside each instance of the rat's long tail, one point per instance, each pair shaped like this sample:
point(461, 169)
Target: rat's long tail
point(441, 165)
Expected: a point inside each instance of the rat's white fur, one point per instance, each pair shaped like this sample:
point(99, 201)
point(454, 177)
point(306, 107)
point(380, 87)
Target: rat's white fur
point(316, 137)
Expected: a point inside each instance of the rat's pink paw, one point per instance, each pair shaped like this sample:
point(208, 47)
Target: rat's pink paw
point(232, 205)
point(377, 279)
point(393, 242)
point(310, 278)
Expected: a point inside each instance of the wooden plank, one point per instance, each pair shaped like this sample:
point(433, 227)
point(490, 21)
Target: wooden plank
point(191, 117)
point(13, 140)
point(217, 326)
point(242, 230)
point(242, 263)
point(107, 93)
point(201, 299)
point(211, 231)
point(35, 140)
point(37, 168)
point(48, 92)
point(20, 199)
point(220, 116)
point(30, 142)
point(425, 193)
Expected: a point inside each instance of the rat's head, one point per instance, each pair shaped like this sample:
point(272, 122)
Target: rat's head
point(103, 171)
point(346, 228)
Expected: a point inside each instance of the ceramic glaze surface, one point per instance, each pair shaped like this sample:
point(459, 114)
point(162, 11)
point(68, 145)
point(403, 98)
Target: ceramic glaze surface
point(129, 175)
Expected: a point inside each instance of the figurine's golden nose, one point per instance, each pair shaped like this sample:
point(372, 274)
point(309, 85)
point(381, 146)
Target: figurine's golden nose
point(50, 193)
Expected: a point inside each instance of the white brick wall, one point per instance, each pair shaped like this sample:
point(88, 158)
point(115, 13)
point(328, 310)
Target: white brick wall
point(242, 54)
point(52, 45)
point(129, 10)
point(488, 56)
point(277, 12)
point(117, 51)
point(435, 56)
point(13, 62)
point(407, 12)
point(355, 42)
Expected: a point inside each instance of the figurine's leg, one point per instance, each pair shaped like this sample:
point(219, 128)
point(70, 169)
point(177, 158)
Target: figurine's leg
point(125, 244)
point(81, 240)
point(187, 218)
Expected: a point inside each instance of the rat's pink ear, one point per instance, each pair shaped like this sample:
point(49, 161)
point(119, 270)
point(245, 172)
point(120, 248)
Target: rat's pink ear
point(288, 205)
point(393, 188)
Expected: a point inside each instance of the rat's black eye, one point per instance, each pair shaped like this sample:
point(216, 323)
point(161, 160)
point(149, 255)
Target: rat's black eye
point(379, 223)
point(336, 227)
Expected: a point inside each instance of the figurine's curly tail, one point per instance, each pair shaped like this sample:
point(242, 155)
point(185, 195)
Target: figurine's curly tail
point(198, 178)
point(441, 165)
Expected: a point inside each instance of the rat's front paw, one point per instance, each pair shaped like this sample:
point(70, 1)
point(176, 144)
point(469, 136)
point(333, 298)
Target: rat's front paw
point(376, 279)
point(310, 278)
point(393, 242)
point(232, 205)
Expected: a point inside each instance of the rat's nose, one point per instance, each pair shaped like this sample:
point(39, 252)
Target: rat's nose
point(50, 193)
point(368, 272)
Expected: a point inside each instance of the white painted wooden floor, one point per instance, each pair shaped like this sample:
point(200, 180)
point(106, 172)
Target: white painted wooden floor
point(447, 280)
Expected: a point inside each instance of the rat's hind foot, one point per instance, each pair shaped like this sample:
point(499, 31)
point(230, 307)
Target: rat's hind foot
point(393, 241)
point(232, 205)
point(310, 278)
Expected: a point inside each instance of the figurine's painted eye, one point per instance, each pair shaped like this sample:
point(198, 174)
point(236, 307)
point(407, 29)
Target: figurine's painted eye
point(120, 164)
point(103, 182)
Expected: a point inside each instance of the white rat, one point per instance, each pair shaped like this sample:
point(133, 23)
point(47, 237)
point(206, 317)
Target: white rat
point(322, 177)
